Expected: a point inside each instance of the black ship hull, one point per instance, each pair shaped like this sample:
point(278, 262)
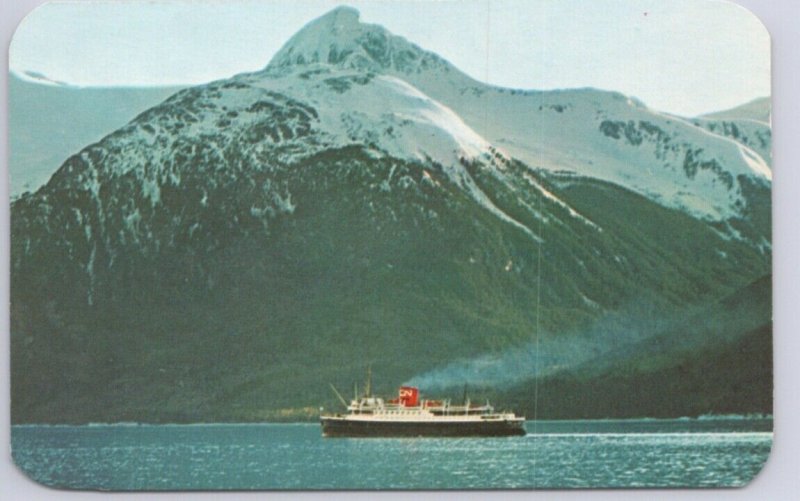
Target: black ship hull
point(338, 427)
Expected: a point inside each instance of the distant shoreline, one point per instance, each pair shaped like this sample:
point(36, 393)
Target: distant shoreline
point(704, 418)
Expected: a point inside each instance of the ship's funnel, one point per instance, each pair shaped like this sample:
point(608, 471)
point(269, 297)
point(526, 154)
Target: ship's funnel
point(409, 396)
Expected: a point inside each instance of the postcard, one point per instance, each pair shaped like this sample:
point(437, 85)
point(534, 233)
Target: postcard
point(390, 245)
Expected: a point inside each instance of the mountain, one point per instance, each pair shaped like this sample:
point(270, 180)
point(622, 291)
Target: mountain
point(603, 135)
point(752, 134)
point(48, 123)
point(716, 361)
point(759, 110)
point(229, 251)
point(749, 125)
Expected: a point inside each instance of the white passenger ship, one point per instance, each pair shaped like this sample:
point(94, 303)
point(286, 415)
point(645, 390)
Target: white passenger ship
point(409, 416)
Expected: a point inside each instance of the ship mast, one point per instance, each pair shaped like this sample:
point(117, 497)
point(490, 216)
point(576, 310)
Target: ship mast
point(368, 389)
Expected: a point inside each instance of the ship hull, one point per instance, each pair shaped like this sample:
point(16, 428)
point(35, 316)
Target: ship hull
point(341, 427)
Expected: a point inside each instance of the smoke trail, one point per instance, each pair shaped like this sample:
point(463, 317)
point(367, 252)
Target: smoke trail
point(500, 370)
point(616, 333)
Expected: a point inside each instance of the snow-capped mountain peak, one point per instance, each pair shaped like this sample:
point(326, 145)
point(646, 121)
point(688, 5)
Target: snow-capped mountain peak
point(339, 38)
point(588, 132)
point(322, 40)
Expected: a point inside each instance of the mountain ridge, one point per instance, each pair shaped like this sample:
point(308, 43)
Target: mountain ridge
point(759, 109)
point(500, 114)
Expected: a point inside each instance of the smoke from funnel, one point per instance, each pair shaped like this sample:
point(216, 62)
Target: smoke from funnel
point(616, 334)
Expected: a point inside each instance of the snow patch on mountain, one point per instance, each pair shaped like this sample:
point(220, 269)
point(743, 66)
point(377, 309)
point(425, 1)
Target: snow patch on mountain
point(753, 134)
point(756, 162)
point(384, 112)
point(550, 196)
point(469, 142)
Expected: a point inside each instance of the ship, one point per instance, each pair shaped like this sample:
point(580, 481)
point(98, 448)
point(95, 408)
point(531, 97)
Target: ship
point(408, 415)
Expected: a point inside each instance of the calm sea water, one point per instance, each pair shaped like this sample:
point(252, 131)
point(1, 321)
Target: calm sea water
point(555, 454)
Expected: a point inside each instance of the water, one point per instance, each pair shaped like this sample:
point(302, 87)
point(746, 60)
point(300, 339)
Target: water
point(561, 454)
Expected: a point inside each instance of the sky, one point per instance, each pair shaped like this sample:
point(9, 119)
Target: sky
point(686, 57)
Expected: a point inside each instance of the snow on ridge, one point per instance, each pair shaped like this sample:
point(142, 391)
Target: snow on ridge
point(404, 122)
point(383, 111)
point(550, 196)
point(601, 135)
point(481, 197)
point(755, 162)
point(755, 165)
point(471, 144)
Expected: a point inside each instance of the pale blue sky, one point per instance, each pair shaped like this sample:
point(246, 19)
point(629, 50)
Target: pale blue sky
point(681, 56)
